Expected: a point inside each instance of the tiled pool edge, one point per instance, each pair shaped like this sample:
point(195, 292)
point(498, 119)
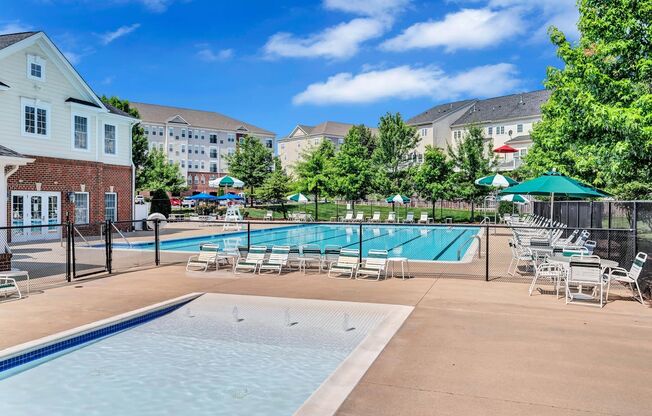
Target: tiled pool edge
point(33, 350)
point(328, 398)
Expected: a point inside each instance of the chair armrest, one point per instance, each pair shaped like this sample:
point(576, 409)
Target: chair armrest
point(193, 257)
point(617, 271)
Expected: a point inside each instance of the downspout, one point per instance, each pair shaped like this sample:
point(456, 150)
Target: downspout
point(133, 169)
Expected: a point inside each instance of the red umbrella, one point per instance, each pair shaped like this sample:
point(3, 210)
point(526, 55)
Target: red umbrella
point(505, 149)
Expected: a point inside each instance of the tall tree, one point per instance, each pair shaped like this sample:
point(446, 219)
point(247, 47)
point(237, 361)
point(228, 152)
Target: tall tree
point(433, 179)
point(276, 186)
point(158, 174)
point(251, 163)
point(597, 125)
point(367, 138)
point(472, 158)
point(394, 146)
point(138, 138)
point(315, 171)
point(352, 167)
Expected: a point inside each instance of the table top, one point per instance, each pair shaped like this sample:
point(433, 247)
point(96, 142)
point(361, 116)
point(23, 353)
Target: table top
point(13, 272)
point(567, 259)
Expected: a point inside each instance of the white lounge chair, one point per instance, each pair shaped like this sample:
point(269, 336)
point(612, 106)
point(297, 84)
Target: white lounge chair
point(628, 277)
point(9, 286)
point(348, 217)
point(206, 258)
point(254, 258)
point(424, 218)
point(311, 255)
point(347, 264)
point(584, 271)
point(375, 217)
point(391, 216)
point(359, 216)
point(409, 217)
point(268, 216)
point(331, 254)
point(375, 265)
point(277, 259)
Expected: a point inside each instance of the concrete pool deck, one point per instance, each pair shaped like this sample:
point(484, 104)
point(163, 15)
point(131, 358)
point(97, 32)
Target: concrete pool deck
point(469, 346)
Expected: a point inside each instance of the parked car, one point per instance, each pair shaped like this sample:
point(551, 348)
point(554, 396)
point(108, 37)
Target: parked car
point(187, 203)
point(176, 202)
point(139, 199)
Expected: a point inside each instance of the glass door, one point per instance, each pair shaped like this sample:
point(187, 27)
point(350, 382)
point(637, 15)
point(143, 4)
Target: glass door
point(17, 216)
point(35, 209)
point(36, 214)
point(53, 212)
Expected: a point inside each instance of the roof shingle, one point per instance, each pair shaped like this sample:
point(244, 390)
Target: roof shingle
point(5, 151)
point(11, 38)
point(504, 108)
point(438, 111)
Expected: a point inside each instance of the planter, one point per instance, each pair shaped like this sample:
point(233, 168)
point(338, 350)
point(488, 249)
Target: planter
point(5, 262)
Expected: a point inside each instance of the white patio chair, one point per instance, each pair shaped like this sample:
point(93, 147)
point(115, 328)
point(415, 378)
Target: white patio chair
point(391, 216)
point(206, 258)
point(359, 216)
point(584, 271)
point(628, 277)
point(252, 261)
point(311, 255)
point(519, 254)
point(348, 217)
point(551, 271)
point(409, 218)
point(268, 216)
point(424, 218)
point(346, 264)
point(375, 265)
point(375, 217)
point(331, 254)
point(276, 260)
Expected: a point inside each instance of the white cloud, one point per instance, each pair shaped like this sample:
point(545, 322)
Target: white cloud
point(337, 42)
point(109, 37)
point(406, 82)
point(72, 57)
point(367, 7)
point(108, 80)
point(157, 6)
point(465, 29)
point(208, 55)
point(14, 27)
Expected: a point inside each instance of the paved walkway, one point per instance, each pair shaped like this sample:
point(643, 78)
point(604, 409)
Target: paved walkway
point(469, 347)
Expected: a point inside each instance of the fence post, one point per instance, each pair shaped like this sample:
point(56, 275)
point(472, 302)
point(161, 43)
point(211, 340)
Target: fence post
point(609, 232)
point(68, 251)
point(635, 227)
point(360, 244)
point(486, 255)
point(72, 250)
point(108, 245)
point(248, 236)
point(157, 242)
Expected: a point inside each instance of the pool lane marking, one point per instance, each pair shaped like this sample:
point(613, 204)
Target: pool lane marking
point(410, 240)
point(276, 232)
point(307, 242)
point(449, 245)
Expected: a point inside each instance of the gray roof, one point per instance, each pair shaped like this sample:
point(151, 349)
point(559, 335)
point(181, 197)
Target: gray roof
point(507, 107)
point(327, 128)
point(115, 110)
point(525, 138)
point(11, 38)
point(2, 84)
point(5, 151)
point(154, 113)
point(439, 111)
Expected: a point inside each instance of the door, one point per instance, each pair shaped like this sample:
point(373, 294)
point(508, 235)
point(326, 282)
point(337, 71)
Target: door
point(35, 209)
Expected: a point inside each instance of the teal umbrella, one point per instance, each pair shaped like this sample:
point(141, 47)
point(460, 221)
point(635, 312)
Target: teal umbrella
point(226, 181)
point(497, 181)
point(515, 198)
point(398, 198)
point(298, 198)
point(554, 183)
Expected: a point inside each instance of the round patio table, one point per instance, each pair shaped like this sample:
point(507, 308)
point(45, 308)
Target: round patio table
point(565, 261)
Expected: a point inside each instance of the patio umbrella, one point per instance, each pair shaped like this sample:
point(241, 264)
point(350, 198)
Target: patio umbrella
point(496, 180)
point(515, 198)
point(505, 149)
point(226, 181)
point(297, 198)
point(228, 197)
point(554, 183)
point(201, 197)
point(398, 198)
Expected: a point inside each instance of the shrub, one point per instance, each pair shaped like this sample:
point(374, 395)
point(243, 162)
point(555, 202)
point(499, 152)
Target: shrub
point(160, 203)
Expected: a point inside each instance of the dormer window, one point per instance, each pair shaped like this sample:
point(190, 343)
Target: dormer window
point(35, 68)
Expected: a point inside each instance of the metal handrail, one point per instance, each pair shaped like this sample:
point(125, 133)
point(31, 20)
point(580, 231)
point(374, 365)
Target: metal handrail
point(459, 249)
point(121, 235)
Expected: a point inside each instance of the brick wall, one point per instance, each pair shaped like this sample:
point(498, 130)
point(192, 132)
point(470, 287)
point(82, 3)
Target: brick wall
point(65, 175)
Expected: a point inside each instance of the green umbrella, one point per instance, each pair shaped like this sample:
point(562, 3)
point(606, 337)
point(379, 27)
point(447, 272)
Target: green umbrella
point(554, 183)
point(227, 181)
point(298, 198)
point(497, 180)
point(515, 198)
point(398, 198)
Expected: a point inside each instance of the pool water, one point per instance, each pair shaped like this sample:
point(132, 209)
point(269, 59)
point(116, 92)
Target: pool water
point(217, 355)
point(413, 242)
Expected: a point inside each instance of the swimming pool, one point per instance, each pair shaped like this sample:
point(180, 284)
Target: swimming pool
point(216, 355)
point(414, 242)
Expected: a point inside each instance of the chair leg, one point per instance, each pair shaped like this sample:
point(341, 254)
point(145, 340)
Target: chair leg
point(638, 289)
point(608, 287)
point(534, 282)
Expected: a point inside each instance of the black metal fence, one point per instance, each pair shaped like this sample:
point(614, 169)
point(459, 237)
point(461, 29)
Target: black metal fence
point(429, 250)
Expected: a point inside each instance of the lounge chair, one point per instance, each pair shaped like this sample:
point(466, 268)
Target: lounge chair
point(311, 255)
point(359, 216)
point(584, 271)
point(277, 259)
point(391, 216)
point(331, 254)
point(628, 277)
point(409, 218)
point(294, 257)
point(348, 217)
point(347, 264)
point(252, 261)
point(268, 216)
point(375, 265)
point(424, 218)
point(206, 258)
point(375, 217)
point(9, 286)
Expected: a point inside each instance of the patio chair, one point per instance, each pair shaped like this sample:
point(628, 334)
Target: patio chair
point(311, 255)
point(294, 257)
point(9, 286)
point(348, 217)
point(424, 218)
point(359, 216)
point(628, 277)
point(409, 218)
point(375, 217)
point(375, 265)
point(252, 261)
point(584, 271)
point(519, 254)
point(346, 264)
point(206, 258)
point(550, 271)
point(331, 254)
point(590, 246)
point(277, 259)
point(391, 216)
point(268, 216)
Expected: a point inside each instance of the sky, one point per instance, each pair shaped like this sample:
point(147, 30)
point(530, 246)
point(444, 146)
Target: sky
point(278, 63)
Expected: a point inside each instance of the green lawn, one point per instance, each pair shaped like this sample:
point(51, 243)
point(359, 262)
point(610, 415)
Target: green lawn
point(329, 211)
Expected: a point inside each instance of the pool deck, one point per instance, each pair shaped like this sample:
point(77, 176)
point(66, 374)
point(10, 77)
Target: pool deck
point(469, 347)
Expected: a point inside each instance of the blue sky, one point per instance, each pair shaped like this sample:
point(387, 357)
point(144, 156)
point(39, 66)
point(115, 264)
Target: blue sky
point(278, 63)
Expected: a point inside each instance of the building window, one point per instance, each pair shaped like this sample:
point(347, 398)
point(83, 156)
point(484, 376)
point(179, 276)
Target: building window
point(161, 147)
point(183, 163)
point(171, 148)
point(189, 134)
point(202, 134)
point(269, 143)
point(183, 132)
point(160, 131)
point(196, 180)
point(111, 206)
point(36, 119)
point(213, 138)
point(196, 164)
point(109, 139)
point(203, 150)
point(80, 132)
point(196, 149)
point(519, 128)
point(146, 129)
point(213, 153)
point(213, 167)
point(35, 68)
point(183, 148)
point(203, 165)
point(189, 179)
point(171, 162)
point(500, 129)
point(424, 132)
point(203, 179)
point(81, 207)
point(171, 131)
point(490, 131)
point(230, 138)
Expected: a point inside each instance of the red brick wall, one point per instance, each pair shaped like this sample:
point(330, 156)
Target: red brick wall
point(64, 175)
point(195, 188)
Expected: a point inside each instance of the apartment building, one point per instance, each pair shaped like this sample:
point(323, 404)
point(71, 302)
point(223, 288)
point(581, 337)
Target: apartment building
point(506, 120)
point(63, 152)
point(198, 141)
point(304, 137)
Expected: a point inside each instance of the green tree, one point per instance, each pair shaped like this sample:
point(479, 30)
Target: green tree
point(394, 146)
point(315, 171)
point(158, 174)
point(276, 187)
point(433, 178)
point(251, 163)
point(160, 203)
point(367, 138)
point(352, 168)
point(597, 124)
point(472, 158)
point(138, 138)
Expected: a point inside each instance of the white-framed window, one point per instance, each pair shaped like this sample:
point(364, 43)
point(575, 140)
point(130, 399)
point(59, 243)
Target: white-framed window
point(490, 131)
point(203, 165)
point(189, 180)
point(500, 129)
point(79, 132)
point(160, 131)
point(35, 119)
point(269, 143)
point(519, 128)
point(171, 162)
point(196, 180)
point(170, 148)
point(183, 148)
point(196, 164)
point(230, 137)
point(146, 129)
point(183, 132)
point(111, 206)
point(183, 163)
point(171, 130)
point(81, 208)
point(110, 141)
point(424, 132)
point(35, 68)
point(203, 150)
point(203, 180)
point(213, 152)
point(189, 134)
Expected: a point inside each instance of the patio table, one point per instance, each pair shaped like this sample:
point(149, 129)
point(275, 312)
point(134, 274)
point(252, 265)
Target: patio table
point(565, 261)
point(405, 265)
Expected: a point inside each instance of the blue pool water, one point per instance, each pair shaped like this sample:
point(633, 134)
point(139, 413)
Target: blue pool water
point(217, 355)
point(413, 242)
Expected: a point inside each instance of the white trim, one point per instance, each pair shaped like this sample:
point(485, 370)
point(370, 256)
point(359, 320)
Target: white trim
point(89, 137)
point(115, 208)
point(37, 104)
point(103, 136)
point(88, 207)
point(36, 60)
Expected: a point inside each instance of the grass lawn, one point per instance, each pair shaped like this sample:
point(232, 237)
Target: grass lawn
point(329, 211)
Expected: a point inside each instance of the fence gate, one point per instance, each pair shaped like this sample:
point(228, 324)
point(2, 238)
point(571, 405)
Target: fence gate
point(88, 250)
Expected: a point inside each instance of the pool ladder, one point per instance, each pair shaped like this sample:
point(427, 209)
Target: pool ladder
point(459, 250)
